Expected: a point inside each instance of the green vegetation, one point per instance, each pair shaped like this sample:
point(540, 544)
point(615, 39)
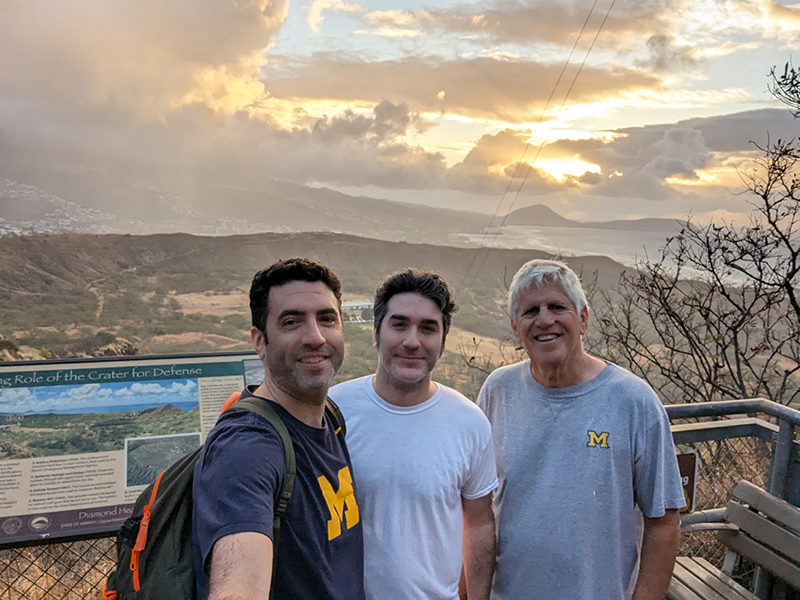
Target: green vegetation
point(361, 356)
point(55, 435)
point(60, 308)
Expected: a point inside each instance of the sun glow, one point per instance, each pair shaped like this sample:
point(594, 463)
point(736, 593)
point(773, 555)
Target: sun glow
point(711, 176)
point(562, 168)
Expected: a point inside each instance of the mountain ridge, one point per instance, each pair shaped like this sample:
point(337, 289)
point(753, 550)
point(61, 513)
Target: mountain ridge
point(539, 215)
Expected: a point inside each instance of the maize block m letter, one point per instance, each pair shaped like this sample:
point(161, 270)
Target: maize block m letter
point(341, 503)
point(596, 439)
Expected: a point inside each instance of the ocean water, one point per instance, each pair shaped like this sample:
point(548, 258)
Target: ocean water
point(625, 247)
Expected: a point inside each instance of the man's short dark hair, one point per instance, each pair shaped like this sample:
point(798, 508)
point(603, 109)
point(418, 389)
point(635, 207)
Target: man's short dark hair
point(427, 284)
point(286, 271)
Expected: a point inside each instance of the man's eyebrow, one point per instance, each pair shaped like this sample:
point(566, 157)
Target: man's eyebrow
point(405, 318)
point(328, 311)
point(290, 312)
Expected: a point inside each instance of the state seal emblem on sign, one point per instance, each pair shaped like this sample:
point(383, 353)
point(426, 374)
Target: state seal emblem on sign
point(12, 525)
point(40, 523)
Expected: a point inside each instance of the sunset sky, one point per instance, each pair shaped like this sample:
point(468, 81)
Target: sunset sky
point(428, 101)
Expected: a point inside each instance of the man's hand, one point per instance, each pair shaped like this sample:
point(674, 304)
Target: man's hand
point(479, 547)
point(660, 543)
point(241, 567)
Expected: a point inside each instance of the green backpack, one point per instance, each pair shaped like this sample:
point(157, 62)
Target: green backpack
point(154, 545)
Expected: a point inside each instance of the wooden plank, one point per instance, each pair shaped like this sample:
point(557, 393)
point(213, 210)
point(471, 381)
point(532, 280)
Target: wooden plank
point(775, 508)
point(759, 528)
point(766, 558)
point(696, 584)
point(702, 563)
point(679, 591)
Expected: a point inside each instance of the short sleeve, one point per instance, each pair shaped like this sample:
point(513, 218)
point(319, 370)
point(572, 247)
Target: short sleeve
point(483, 473)
point(237, 479)
point(483, 395)
point(657, 483)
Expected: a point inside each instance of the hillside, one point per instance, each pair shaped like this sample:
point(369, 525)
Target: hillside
point(539, 215)
point(41, 266)
point(49, 191)
point(69, 293)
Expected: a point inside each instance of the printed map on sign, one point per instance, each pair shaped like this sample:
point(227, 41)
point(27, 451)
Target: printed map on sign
point(79, 441)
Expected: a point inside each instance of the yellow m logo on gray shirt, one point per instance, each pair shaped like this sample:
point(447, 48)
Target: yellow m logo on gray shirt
point(596, 439)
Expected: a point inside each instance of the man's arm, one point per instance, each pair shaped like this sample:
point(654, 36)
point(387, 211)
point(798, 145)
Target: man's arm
point(660, 543)
point(241, 567)
point(479, 547)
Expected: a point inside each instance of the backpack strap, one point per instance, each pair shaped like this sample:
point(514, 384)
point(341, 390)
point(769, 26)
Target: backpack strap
point(261, 407)
point(336, 416)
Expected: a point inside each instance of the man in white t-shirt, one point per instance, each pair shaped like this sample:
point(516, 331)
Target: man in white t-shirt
point(423, 455)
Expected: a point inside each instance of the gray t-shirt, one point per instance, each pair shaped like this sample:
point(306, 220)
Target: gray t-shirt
point(576, 467)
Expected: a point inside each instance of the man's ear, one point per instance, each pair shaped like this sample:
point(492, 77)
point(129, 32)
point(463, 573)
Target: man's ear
point(584, 319)
point(259, 340)
point(514, 329)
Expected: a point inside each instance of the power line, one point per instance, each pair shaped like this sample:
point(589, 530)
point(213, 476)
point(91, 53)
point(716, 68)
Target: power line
point(538, 151)
point(524, 152)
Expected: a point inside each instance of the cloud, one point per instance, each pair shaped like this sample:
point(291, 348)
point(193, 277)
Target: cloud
point(14, 398)
point(638, 161)
point(494, 160)
point(190, 84)
point(510, 21)
point(678, 154)
point(350, 148)
point(186, 389)
point(388, 121)
point(665, 54)
point(143, 60)
point(141, 389)
point(717, 21)
point(512, 91)
point(318, 7)
point(82, 392)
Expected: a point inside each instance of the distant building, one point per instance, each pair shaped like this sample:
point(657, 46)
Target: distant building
point(357, 305)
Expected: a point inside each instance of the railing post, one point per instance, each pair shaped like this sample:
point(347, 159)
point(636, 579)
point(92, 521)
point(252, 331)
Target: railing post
point(777, 487)
point(781, 458)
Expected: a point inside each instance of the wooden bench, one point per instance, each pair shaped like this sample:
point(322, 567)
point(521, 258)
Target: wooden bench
point(767, 533)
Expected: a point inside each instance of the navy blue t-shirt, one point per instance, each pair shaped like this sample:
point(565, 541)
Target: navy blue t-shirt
point(238, 479)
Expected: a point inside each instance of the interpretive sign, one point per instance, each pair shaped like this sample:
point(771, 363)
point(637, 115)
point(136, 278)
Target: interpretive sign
point(80, 440)
point(687, 465)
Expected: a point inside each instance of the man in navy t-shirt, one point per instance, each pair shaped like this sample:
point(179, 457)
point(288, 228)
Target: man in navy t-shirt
point(297, 333)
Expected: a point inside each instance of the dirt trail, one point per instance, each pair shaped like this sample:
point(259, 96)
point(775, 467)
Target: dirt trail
point(100, 302)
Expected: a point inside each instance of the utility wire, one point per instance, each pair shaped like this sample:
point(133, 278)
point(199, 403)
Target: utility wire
point(524, 152)
point(538, 151)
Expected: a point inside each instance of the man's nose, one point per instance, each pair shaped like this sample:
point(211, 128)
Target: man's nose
point(544, 318)
point(411, 339)
point(312, 335)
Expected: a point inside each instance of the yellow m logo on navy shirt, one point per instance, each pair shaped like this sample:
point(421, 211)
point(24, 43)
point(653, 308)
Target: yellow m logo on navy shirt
point(596, 439)
point(341, 503)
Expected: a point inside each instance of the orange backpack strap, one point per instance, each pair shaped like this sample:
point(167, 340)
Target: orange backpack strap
point(234, 397)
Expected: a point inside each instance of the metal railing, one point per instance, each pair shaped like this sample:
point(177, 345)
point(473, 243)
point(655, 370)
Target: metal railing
point(740, 439)
point(759, 447)
point(59, 571)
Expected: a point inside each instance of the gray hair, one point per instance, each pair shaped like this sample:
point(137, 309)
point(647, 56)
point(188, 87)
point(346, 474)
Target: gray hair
point(538, 273)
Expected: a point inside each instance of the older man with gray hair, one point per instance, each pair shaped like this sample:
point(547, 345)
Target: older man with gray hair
point(589, 486)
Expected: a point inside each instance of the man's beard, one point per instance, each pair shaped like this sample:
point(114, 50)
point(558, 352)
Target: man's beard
point(288, 378)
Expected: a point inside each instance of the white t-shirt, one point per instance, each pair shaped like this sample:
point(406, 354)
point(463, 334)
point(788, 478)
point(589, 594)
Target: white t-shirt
point(412, 466)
